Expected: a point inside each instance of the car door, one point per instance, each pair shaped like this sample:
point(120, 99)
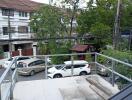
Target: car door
point(40, 65)
point(67, 70)
point(37, 65)
point(77, 69)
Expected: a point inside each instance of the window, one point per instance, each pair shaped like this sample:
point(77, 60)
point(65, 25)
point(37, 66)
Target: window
point(68, 67)
point(78, 66)
point(5, 30)
point(23, 58)
point(38, 62)
point(31, 64)
point(22, 14)
point(7, 12)
point(23, 29)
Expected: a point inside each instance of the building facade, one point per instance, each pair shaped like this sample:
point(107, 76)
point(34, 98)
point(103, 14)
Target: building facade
point(16, 15)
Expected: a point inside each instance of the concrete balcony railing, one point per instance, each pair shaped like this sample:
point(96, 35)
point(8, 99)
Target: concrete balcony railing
point(17, 36)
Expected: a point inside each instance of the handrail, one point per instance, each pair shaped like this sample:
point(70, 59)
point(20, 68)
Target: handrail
point(6, 71)
point(73, 54)
point(3, 77)
point(13, 81)
point(130, 65)
point(122, 76)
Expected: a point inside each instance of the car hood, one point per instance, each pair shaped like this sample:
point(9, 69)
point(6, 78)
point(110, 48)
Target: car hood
point(52, 70)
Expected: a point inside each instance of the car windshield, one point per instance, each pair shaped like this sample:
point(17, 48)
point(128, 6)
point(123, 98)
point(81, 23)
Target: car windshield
point(10, 59)
point(59, 67)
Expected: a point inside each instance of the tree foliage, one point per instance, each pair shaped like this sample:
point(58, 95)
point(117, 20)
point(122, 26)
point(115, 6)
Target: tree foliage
point(123, 56)
point(60, 59)
point(102, 31)
point(46, 22)
point(101, 14)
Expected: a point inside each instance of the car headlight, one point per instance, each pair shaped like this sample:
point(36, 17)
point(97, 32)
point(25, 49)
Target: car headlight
point(48, 72)
point(51, 72)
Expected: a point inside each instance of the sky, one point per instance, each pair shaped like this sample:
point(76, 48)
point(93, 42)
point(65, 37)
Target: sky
point(47, 2)
point(42, 1)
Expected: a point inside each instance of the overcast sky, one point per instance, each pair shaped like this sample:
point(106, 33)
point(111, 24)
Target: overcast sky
point(43, 1)
point(47, 2)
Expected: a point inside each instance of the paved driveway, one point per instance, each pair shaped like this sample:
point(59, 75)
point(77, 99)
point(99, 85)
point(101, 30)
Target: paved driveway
point(1, 71)
point(37, 76)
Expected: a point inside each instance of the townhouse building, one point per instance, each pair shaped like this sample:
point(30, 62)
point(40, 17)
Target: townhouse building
point(17, 13)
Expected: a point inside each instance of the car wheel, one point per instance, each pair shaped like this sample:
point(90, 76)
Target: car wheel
point(83, 73)
point(57, 76)
point(32, 72)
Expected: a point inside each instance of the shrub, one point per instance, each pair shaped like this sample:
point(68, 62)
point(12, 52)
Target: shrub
point(60, 59)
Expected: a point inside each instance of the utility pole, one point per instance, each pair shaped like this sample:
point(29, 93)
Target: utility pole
point(130, 40)
point(9, 33)
point(117, 35)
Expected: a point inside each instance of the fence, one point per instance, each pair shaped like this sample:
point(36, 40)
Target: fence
point(25, 52)
point(10, 81)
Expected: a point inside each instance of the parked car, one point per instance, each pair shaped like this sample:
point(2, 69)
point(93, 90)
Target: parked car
point(103, 71)
point(19, 58)
point(31, 66)
point(81, 67)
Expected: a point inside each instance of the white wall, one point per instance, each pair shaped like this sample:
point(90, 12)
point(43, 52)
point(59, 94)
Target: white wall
point(15, 21)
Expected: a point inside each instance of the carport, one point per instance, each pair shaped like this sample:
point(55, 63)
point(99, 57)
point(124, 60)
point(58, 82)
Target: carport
point(82, 48)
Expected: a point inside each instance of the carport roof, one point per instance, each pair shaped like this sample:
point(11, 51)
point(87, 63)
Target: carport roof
point(80, 47)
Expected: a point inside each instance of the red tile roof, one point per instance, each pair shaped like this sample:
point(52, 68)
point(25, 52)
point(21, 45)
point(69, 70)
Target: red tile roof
point(80, 48)
point(20, 5)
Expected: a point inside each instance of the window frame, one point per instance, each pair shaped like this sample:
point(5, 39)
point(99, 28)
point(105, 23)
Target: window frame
point(12, 30)
point(34, 63)
point(23, 14)
point(23, 29)
point(79, 66)
point(7, 12)
point(69, 67)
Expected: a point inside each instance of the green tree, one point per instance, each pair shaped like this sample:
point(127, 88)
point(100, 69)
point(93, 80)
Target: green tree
point(46, 22)
point(74, 4)
point(102, 12)
point(123, 56)
point(103, 32)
